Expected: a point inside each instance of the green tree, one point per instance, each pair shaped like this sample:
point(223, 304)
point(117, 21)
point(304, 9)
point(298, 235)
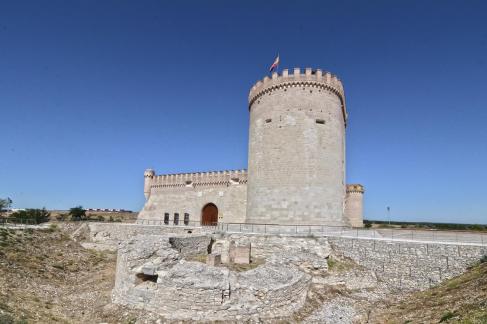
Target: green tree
point(34, 216)
point(77, 213)
point(4, 204)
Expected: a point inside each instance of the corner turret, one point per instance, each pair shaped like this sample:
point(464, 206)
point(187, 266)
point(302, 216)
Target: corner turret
point(354, 201)
point(148, 176)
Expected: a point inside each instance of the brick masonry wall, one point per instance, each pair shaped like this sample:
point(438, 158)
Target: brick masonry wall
point(409, 265)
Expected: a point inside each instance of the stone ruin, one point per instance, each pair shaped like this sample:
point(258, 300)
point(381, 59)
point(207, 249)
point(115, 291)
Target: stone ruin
point(154, 272)
point(191, 274)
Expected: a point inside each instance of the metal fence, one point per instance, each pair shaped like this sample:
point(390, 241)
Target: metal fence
point(180, 223)
point(460, 237)
point(388, 234)
point(340, 231)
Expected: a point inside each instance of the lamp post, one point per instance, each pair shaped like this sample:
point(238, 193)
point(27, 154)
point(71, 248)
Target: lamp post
point(389, 214)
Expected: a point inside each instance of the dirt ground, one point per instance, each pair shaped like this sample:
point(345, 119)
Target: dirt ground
point(460, 300)
point(45, 277)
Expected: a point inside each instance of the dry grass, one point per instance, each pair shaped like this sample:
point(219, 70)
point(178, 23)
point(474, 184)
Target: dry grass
point(254, 263)
point(340, 264)
point(460, 300)
point(45, 277)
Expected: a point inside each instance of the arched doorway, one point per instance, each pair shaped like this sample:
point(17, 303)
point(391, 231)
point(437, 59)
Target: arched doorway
point(209, 214)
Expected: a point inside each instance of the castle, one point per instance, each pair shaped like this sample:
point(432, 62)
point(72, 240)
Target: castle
point(296, 164)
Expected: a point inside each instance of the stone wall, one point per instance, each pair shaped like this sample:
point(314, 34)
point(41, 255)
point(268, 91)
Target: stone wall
point(190, 245)
point(110, 235)
point(184, 290)
point(297, 150)
point(153, 271)
point(409, 265)
point(189, 193)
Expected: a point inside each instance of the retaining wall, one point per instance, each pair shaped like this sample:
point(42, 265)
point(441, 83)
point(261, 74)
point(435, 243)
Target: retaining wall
point(195, 291)
point(409, 265)
point(111, 235)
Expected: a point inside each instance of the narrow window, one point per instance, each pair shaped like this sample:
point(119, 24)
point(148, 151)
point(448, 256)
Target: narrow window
point(320, 121)
point(166, 218)
point(141, 277)
point(186, 218)
point(176, 218)
point(268, 120)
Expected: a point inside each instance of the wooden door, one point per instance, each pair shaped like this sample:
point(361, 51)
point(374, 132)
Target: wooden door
point(209, 215)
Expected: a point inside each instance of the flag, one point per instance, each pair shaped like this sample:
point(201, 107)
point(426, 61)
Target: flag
point(275, 64)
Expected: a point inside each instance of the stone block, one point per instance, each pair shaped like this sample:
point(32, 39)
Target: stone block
point(242, 254)
point(222, 247)
point(231, 252)
point(213, 259)
point(149, 270)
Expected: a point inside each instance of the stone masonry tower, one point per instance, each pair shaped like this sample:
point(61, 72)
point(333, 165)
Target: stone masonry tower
point(354, 202)
point(148, 177)
point(296, 171)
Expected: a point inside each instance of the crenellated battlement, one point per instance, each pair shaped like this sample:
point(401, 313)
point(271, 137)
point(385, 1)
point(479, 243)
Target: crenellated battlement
point(299, 78)
point(149, 173)
point(355, 188)
point(296, 163)
point(200, 179)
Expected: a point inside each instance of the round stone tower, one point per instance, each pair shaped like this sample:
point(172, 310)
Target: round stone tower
point(148, 176)
point(296, 171)
point(354, 205)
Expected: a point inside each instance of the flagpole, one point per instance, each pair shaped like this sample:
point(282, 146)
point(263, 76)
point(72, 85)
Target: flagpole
point(275, 65)
point(278, 62)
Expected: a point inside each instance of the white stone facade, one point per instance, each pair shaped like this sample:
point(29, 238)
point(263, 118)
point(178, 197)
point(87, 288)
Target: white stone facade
point(188, 193)
point(296, 162)
point(297, 150)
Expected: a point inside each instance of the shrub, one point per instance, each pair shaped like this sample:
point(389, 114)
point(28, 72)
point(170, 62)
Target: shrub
point(448, 315)
point(331, 263)
point(61, 217)
point(77, 213)
point(483, 259)
point(368, 225)
point(35, 216)
point(100, 218)
point(3, 204)
point(6, 319)
point(53, 228)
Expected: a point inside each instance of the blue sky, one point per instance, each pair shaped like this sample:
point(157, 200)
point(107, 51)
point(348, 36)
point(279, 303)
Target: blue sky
point(94, 92)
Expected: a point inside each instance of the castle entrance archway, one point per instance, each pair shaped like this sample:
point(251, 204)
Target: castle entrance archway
point(209, 214)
